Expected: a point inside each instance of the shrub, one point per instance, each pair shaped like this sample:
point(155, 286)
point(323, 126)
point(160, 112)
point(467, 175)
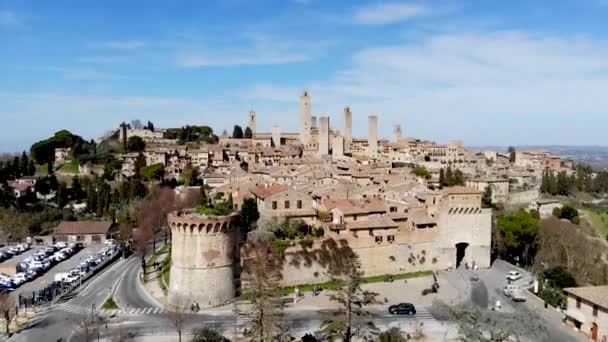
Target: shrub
point(324, 216)
point(434, 260)
point(318, 232)
point(306, 243)
point(279, 246)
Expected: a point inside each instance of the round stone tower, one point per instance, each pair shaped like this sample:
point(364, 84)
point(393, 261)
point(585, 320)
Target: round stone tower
point(202, 259)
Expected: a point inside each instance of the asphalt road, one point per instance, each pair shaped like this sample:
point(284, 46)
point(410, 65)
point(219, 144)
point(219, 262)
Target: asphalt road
point(59, 321)
point(490, 286)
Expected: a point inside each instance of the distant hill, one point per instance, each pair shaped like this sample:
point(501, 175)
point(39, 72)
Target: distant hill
point(596, 156)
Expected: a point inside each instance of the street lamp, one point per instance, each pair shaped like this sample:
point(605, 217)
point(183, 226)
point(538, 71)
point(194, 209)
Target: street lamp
point(79, 271)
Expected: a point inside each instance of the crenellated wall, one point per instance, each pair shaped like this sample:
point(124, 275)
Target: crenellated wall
point(202, 259)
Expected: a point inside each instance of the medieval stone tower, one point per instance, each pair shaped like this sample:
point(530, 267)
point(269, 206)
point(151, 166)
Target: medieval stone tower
point(305, 118)
point(203, 254)
point(251, 121)
point(348, 128)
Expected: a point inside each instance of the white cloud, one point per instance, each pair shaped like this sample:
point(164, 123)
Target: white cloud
point(259, 49)
point(388, 13)
point(121, 44)
point(9, 19)
point(507, 87)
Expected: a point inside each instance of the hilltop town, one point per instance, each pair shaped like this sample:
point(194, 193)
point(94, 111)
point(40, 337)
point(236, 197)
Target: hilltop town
point(193, 206)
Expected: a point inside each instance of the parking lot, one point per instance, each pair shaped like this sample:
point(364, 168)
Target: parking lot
point(49, 276)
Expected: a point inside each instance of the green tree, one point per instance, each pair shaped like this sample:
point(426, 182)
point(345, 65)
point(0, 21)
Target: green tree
point(392, 335)
point(248, 133)
point(420, 171)
point(559, 277)
point(111, 168)
point(153, 172)
point(512, 154)
point(486, 199)
point(136, 144)
point(351, 300)
point(31, 168)
point(190, 175)
point(249, 212)
point(237, 132)
point(203, 200)
point(140, 162)
point(207, 335)
point(458, 178)
point(49, 167)
point(123, 127)
point(449, 176)
point(442, 181)
point(23, 165)
point(62, 195)
point(518, 232)
point(569, 213)
point(150, 126)
point(77, 191)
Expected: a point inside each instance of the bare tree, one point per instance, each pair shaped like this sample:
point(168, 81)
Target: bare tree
point(563, 243)
point(478, 325)
point(141, 238)
point(178, 316)
point(261, 274)
point(351, 300)
point(86, 325)
point(153, 212)
point(8, 309)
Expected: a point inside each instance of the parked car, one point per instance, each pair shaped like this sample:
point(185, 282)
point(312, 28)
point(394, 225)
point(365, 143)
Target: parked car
point(513, 275)
point(61, 244)
point(518, 296)
point(110, 242)
point(509, 289)
point(19, 278)
point(402, 309)
point(31, 274)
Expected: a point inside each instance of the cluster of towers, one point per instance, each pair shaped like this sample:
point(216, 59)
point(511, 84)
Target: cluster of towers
point(340, 143)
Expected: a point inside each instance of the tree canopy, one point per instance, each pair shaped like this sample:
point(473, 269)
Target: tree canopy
point(518, 232)
point(135, 144)
point(237, 132)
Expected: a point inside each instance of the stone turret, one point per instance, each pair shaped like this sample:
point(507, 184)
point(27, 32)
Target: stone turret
point(203, 254)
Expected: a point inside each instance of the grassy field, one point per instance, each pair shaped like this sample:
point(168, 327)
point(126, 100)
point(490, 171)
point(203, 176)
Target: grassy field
point(599, 218)
point(71, 167)
point(42, 170)
point(331, 285)
point(109, 304)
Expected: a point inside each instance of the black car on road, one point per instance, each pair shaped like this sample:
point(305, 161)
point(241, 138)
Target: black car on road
point(402, 309)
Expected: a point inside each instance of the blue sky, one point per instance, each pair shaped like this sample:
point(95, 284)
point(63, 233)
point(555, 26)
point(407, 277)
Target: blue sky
point(489, 72)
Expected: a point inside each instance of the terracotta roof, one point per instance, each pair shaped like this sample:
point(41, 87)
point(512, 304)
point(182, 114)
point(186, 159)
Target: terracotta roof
point(595, 294)
point(265, 190)
point(83, 227)
point(383, 222)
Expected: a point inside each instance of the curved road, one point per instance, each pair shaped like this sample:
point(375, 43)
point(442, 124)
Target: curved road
point(129, 292)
